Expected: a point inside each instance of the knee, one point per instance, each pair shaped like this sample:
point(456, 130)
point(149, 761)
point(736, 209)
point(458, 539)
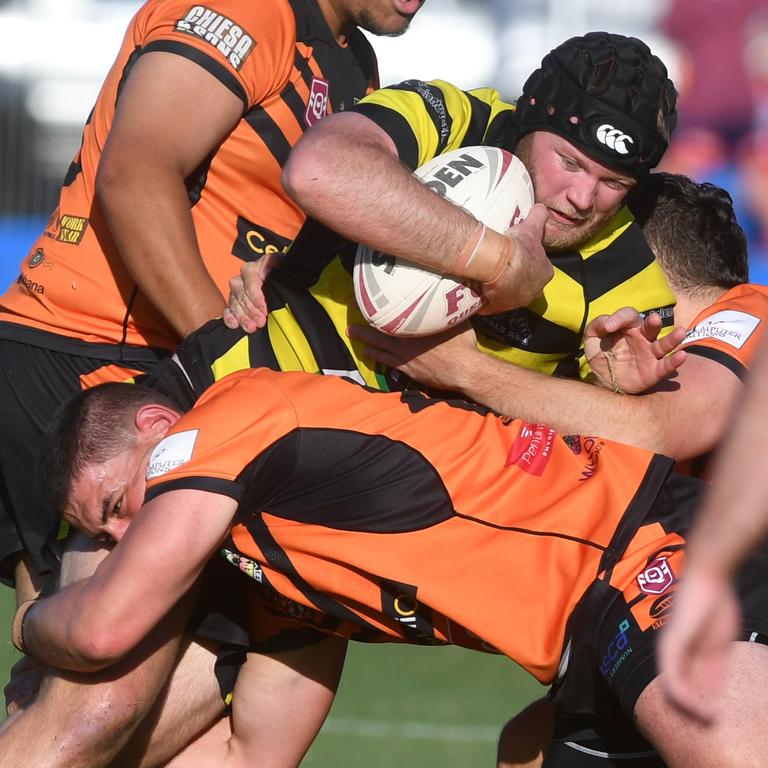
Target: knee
point(524, 740)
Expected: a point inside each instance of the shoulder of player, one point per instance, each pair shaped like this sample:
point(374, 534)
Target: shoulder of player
point(428, 117)
point(729, 331)
point(223, 36)
point(747, 299)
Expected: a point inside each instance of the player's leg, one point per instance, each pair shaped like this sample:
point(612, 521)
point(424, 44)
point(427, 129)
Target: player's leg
point(280, 702)
point(83, 721)
point(86, 720)
point(31, 388)
point(739, 736)
point(189, 708)
point(525, 739)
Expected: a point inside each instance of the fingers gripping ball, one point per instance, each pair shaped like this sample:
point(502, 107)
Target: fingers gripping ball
point(403, 299)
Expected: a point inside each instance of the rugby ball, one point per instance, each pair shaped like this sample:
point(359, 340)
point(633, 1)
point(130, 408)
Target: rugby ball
point(405, 299)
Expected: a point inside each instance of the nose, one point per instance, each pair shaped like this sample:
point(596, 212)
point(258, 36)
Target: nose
point(582, 192)
point(116, 528)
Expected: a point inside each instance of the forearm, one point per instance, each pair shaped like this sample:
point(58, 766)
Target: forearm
point(660, 422)
point(161, 253)
point(384, 206)
point(55, 632)
point(570, 407)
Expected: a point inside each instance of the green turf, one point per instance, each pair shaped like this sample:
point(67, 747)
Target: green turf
point(402, 705)
point(8, 654)
point(416, 706)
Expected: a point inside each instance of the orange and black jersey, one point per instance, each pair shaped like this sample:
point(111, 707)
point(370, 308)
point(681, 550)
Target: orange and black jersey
point(395, 515)
point(614, 269)
point(281, 59)
point(730, 330)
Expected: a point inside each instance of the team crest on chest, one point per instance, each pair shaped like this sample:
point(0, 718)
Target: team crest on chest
point(317, 105)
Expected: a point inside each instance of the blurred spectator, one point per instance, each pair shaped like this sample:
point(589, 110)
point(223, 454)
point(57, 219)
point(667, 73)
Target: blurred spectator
point(753, 165)
point(756, 65)
point(714, 89)
point(723, 84)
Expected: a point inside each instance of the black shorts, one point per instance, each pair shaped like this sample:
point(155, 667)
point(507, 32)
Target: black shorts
point(227, 607)
point(612, 634)
point(34, 382)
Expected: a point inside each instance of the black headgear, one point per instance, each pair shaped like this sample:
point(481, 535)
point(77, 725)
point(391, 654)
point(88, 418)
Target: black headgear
point(608, 95)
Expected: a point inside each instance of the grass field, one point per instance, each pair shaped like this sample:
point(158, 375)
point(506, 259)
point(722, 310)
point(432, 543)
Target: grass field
point(402, 706)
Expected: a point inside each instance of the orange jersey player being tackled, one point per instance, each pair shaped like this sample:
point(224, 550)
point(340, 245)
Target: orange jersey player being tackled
point(391, 516)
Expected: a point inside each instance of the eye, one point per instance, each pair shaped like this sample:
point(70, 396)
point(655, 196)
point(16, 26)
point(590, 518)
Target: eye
point(615, 184)
point(116, 508)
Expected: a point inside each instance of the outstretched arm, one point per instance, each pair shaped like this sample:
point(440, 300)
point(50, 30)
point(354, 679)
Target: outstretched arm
point(95, 622)
point(682, 420)
point(732, 522)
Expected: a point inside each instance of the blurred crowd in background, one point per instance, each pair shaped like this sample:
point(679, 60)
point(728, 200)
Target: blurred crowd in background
point(55, 54)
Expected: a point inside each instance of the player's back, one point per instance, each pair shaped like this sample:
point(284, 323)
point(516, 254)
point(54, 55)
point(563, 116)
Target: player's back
point(345, 492)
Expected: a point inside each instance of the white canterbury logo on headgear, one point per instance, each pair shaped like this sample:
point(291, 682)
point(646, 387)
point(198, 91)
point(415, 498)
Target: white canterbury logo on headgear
point(614, 138)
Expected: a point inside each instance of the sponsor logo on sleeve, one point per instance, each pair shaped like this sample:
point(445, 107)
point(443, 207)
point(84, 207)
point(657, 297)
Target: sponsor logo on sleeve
point(656, 578)
point(729, 326)
point(37, 258)
point(532, 448)
point(317, 106)
point(171, 452)
point(224, 34)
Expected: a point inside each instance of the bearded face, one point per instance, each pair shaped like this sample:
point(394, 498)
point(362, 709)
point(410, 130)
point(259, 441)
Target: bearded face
point(580, 194)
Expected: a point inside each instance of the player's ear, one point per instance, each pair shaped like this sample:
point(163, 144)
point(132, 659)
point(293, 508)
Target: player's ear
point(155, 419)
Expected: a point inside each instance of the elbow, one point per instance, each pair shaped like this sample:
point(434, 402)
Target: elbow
point(310, 162)
point(307, 171)
point(680, 443)
point(107, 183)
point(97, 647)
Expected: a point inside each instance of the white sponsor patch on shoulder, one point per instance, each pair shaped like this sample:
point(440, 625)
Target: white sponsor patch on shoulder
point(221, 32)
point(729, 326)
point(172, 452)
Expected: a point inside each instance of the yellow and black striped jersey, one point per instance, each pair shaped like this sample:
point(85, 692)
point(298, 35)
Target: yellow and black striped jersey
point(311, 304)
point(311, 299)
point(616, 268)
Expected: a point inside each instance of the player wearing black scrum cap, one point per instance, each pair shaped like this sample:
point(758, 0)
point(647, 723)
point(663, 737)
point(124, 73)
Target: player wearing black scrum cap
point(592, 120)
point(352, 172)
